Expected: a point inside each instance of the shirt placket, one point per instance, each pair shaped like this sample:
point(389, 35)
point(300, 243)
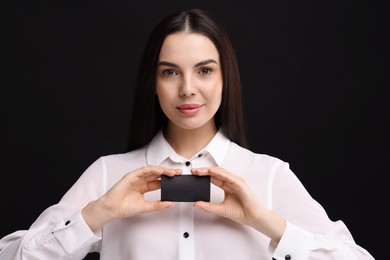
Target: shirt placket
point(186, 223)
point(186, 229)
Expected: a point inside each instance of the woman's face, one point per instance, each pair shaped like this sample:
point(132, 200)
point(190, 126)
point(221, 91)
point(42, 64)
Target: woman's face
point(189, 80)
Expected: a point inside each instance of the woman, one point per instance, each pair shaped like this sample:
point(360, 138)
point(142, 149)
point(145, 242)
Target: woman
point(186, 120)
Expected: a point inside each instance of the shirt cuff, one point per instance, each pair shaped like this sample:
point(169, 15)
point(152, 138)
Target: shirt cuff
point(295, 243)
point(73, 233)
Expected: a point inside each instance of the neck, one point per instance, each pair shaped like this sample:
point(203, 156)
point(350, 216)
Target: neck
point(187, 142)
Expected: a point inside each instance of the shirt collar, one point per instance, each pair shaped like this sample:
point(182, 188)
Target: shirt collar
point(159, 149)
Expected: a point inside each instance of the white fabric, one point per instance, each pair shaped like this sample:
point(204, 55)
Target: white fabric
point(61, 233)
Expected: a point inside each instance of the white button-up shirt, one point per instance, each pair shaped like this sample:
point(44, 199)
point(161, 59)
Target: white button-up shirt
point(184, 232)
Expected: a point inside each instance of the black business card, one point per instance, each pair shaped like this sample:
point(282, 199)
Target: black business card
point(185, 188)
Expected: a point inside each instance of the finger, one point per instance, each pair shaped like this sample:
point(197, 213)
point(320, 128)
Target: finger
point(217, 182)
point(210, 207)
point(213, 172)
point(153, 185)
point(172, 172)
point(229, 179)
point(218, 175)
point(148, 170)
point(158, 205)
point(151, 172)
point(206, 172)
point(200, 171)
point(168, 172)
point(151, 177)
point(159, 170)
point(221, 178)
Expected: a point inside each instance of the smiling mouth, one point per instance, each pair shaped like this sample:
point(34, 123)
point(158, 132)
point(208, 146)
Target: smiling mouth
point(189, 109)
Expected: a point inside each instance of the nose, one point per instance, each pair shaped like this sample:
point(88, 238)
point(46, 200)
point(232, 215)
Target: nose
point(187, 87)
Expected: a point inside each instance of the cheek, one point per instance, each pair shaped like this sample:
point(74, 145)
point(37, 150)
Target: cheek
point(216, 92)
point(165, 88)
point(218, 86)
point(214, 97)
point(164, 97)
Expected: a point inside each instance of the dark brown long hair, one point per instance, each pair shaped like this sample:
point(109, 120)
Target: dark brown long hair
point(147, 117)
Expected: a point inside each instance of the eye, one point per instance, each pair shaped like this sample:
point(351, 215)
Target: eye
point(169, 72)
point(205, 71)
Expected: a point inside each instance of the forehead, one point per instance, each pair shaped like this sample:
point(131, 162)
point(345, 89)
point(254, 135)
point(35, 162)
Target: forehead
point(187, 46)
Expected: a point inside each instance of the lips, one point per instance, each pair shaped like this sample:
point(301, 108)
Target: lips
point(189, 109)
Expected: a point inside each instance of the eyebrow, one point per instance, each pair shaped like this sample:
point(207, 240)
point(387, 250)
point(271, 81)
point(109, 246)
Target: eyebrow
point(199, 64)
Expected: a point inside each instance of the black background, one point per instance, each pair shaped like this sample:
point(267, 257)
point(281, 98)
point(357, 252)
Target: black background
point(314, 91)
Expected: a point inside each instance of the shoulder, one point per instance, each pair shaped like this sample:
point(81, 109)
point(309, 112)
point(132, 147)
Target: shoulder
point(136, 157)
point(114, 166)
point(247, 156)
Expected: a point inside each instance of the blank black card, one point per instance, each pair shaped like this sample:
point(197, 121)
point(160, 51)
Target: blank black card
point(185, 188)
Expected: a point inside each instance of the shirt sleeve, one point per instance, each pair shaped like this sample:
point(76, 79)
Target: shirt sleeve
point(60, 232)
point(309, 233)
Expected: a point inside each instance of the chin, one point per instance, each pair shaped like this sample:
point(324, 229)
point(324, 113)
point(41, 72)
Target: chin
point(193, 125)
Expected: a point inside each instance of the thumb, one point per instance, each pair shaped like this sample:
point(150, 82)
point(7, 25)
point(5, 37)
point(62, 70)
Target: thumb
point(158, 205)
point(209, 207)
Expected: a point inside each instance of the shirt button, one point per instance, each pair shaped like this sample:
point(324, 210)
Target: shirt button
point(287, 257)
point(67, 222)
point(188, 163)
point(185, 234)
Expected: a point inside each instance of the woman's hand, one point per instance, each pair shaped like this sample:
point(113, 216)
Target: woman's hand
point(240, 203)
point(126, 197)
